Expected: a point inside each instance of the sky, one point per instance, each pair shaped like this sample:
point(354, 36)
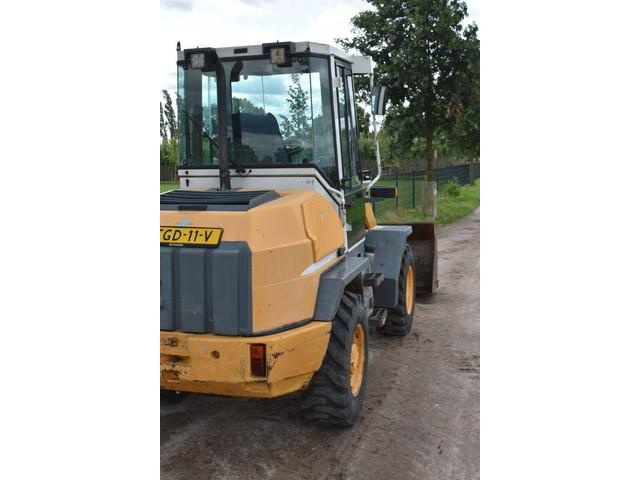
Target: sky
point(228, 23)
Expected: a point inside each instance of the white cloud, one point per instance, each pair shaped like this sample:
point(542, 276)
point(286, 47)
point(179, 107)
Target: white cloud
point(177, 4)
point(334, 21)
point(225, 23)
point(473, 9)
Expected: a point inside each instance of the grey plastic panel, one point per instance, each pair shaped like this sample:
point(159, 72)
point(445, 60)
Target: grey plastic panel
point(205, 289)
point(167, 304)
point(192, 311)
point(388, 244)
point(333, 283)
point(232, 291)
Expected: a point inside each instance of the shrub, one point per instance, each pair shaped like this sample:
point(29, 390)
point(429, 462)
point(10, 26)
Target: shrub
point(451, 188)
point(168, 153)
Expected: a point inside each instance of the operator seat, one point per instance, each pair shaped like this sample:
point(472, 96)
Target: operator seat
point(257, 138)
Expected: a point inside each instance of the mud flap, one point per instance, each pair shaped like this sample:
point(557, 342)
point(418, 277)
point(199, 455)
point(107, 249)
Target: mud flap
point(425, 252)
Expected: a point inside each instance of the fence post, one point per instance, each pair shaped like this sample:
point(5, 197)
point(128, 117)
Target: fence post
point(413, 188)
point(397, 191)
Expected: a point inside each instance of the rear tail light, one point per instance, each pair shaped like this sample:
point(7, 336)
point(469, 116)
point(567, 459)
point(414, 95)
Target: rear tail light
point(258, 359)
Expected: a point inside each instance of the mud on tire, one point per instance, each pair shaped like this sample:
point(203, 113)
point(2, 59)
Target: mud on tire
point(330, 398)
point(400, 319)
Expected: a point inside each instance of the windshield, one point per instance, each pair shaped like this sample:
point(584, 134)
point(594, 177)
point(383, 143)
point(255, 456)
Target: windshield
point(276, 116)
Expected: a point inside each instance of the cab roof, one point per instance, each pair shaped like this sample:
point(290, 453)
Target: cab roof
point(360, 64)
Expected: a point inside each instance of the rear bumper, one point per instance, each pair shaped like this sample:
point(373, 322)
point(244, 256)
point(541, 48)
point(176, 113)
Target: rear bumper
point(220, 365)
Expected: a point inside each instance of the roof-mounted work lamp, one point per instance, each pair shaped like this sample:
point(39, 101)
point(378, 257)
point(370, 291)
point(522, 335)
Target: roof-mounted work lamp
point(198, 60)
point(204, 59)
point(279, 53)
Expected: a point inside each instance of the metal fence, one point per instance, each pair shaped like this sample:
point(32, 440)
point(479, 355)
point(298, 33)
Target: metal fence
point(168, 173)
point(168, 178)
point(408, 183)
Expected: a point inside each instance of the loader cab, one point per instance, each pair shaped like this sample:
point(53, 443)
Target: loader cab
point(276, 116)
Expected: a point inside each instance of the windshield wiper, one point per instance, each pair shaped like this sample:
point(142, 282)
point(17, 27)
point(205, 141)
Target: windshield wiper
point(240, 170)
point(204, 132)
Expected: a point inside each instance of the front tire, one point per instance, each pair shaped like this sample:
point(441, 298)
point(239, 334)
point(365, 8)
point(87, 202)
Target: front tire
point(400, 319)
point(336, 392)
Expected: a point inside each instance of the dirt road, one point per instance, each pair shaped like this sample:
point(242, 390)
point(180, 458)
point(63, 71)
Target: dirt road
point(420, 418)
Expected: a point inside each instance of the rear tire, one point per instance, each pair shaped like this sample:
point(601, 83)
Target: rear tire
point(336, 392)
point(171, 397)
point(400, 319)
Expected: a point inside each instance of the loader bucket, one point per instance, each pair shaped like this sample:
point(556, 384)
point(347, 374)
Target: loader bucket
point(425, 252)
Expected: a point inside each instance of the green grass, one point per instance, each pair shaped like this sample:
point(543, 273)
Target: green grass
point(450, 208)
point(166, 186)
point(405, 199)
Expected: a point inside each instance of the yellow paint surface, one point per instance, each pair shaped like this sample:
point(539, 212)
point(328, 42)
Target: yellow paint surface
point(323, 226)
point(220, 365)
point(286, 236)
point(369, 217)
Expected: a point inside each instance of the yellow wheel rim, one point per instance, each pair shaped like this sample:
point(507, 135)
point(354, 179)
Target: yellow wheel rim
point(356, 363)
point(409, 294)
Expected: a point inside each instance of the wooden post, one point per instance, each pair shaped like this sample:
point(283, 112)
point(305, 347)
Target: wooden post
point(413, 188)
point(397, 191)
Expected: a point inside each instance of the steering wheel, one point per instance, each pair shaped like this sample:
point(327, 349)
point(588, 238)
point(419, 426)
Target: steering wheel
point(294, 146)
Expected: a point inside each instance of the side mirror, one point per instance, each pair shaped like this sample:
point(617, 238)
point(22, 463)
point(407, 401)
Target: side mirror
point(379, 97)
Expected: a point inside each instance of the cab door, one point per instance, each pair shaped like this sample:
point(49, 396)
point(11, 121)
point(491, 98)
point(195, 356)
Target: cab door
point(348, 144)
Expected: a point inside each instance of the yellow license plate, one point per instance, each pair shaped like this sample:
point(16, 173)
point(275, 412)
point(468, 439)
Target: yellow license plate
point(190, 236)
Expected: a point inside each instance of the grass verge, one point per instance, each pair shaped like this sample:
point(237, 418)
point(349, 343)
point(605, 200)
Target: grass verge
point(166, 186)
point(450, 208)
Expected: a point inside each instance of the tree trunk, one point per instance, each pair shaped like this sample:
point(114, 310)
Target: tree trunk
point(430, 156)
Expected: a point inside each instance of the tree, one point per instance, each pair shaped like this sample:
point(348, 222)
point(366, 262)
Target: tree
point(464, 136)
point(243, 105)
point(363, 121)
point(170, 115)
point(168, 131)
point(163, 125)
point(167, 156)
point(429, 61)
point(297, 123)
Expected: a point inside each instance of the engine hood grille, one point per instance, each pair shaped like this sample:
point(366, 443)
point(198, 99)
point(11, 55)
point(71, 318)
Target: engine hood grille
point(234, 200)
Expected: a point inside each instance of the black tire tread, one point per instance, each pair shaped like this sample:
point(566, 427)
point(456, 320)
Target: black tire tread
point(399, 321)
point(328, 399)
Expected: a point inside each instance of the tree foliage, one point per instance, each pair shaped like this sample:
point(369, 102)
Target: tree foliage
point(297, 124)
point(430, 61)
point(363, 121)
point(163, 124)
point(168, 131)
point(169, 114)
point(242, 105)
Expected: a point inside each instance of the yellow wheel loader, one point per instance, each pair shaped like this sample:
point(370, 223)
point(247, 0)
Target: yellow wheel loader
point(273, 268)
